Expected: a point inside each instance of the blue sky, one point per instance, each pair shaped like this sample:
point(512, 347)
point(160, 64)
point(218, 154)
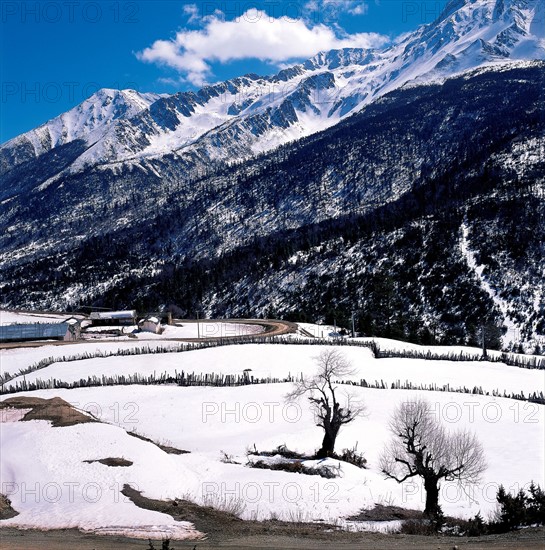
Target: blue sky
point(56, 54)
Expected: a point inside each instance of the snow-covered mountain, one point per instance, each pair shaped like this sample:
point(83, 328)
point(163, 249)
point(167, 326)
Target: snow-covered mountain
point(89, 121)
point(251, 114)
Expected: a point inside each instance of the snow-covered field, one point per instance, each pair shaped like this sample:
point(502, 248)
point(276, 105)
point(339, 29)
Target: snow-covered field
point(280, 361)
point(329, 332)
point(207, 421)
point(44, 474)
point(202, 329)
point(43, 471)
point(14, 359)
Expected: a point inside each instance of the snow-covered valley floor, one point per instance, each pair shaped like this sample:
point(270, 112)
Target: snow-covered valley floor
point(43, 472)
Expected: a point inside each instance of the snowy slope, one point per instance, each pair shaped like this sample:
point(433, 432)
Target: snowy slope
point(211, 425)
point(510, 335)
point(14, 359)
point(397, 148)
point(69, 493)
point(230, 420)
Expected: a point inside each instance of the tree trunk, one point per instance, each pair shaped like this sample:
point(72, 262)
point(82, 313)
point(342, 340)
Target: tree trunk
point(431, 485)
point(328, 444)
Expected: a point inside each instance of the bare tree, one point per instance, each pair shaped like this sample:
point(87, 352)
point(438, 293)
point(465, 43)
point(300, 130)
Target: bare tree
point(325, 397)
point(422, 447)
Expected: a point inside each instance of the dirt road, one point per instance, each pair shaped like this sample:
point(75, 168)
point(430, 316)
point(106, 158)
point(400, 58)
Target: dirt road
point(70, 539)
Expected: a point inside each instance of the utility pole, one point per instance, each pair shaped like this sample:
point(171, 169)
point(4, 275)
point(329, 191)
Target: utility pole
point(483, 336)
point(198, 328)
point(353, 329)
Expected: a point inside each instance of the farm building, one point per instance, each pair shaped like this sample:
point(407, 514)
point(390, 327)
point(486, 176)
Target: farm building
point(68, 330)
point(150, 324)
point(113, 318)
point(165, 317)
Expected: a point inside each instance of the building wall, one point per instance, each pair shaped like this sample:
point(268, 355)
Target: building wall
point(113, 322)
point(72, 334)
point(33, 331)
point(150, 326)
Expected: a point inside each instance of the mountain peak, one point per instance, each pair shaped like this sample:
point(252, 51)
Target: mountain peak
point(450, 8)
point(334, 59)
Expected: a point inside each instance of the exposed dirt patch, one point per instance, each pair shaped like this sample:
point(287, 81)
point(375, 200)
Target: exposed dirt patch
point(386, 513)
point(166, 448)
point(56, 410)
point(111, 461)
point(6, 511)
point(218, 525)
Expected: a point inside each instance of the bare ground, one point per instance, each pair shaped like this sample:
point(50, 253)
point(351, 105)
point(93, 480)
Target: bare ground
point(71, 539)
point(6, 511)
point(227, 531)
point(387, 513)
point(112, 461)
point(166, 448)
point(57, 410)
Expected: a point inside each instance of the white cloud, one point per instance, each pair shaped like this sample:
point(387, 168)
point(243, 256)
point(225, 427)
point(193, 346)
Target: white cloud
point(254, 35)
point(170, 81)
point(192, 10)
point(359, 9)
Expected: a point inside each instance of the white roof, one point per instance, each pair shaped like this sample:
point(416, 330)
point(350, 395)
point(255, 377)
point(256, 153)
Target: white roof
point(150, 319)
point(129, 314)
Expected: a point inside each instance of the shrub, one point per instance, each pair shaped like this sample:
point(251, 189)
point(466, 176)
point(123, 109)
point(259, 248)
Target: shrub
point(352, 457)
point(476, 526)
point(437, 519)
point(473, 527)
point(417, 527)
point(295, 467)
point(165, 545)
point(226, 458)
point(536, 504)
point(281, 450)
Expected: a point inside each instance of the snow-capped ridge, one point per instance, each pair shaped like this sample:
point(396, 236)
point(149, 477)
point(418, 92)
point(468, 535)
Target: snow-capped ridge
point(88, 121)
point(250, 114)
